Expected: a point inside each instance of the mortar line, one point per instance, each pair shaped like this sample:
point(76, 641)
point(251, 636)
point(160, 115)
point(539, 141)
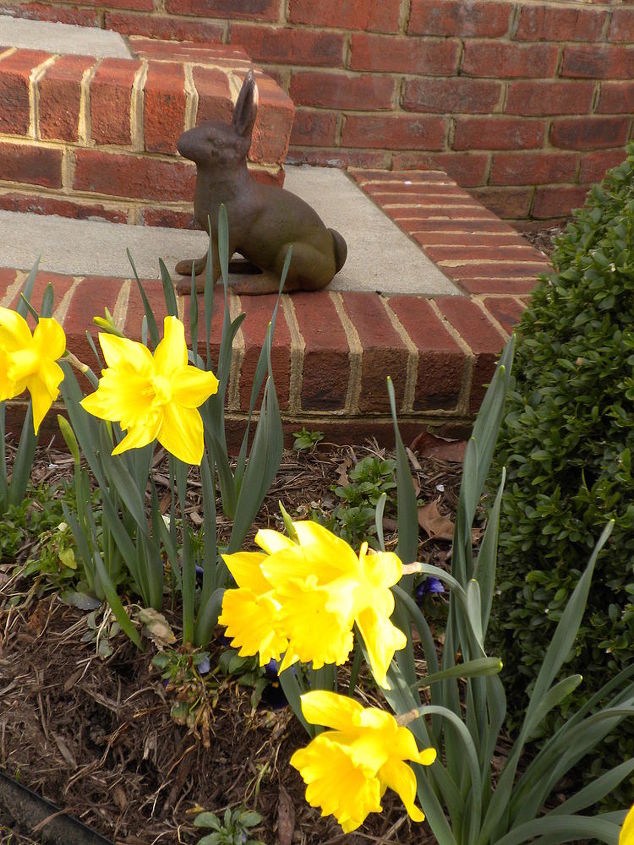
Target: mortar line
point(34, 96)
point(14, 288)
point(62, 309)
point(477, 300)
point(355, 354)
point(298, 346)
point(137, 101)
point(411, 371)
point(120, 310)
point(191, 98)
point(237, 355)
point(85, 124)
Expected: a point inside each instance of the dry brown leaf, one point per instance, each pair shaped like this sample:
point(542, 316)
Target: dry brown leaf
point(285, 817)
point(436, 525)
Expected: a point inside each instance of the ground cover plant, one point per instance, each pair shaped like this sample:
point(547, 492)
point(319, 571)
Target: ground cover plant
point(338, 624)
point(566, 442)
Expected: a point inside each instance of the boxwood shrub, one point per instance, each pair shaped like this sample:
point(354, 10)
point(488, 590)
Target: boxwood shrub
point(568, 445)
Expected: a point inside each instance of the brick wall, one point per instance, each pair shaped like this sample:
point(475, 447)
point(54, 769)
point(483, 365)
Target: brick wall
point(526, 103)
point(96, 138)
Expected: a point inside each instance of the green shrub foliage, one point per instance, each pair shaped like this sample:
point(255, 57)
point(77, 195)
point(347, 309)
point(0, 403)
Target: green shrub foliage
point(567, 442)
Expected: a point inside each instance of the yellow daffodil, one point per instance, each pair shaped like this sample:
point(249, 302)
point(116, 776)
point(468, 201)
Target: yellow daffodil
point(153, 397)
point(28, 361)
point(347, 769)
point(626, 837)
point(311, 593)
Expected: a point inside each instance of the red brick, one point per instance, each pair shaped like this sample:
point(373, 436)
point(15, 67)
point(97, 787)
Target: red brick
point(497, 133)
point(258, 310)
point(462, 270)
point(508, 203)
point(544, 98)
point(90, 298)
point(289, 46)
point(589, 133)
point(503, 60)
point(481, 252)
point(459, 95)
point(557, 202)
point(136, 311)
point(139, 177)
point(622, 25)
point(58, 14)
point(594, 165)
point(467, 169)
point(616, 98)
point(221, 55)
point(543, 23)
point(164, 26)
point(492, 284)
point(272, 130)
point(266, 176)
point(347, 14)
point(7, 278)
point(60, 97)
point(163, 106)
point(403, 55)
point(506, 310)
point(15, 71)
point(62, 206)
point(457, 17)
point(336, 157)
point(34, 165)
point(395, 133)
point(314, 128)
point(597, 61)
point(481, 336)
point(110, 99)
point(440, 359)
point(61, 285)
point(167, 217)
point(532, 168)
point(259, 10)
point(384, 351)
point(326, 363)
point(342, 91)
point(214, 95)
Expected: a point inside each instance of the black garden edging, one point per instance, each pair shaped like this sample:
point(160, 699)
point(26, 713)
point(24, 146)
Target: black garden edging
point(39, 818)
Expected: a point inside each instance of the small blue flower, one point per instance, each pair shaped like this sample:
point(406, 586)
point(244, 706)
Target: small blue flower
point(204, 666)
point(430, 586)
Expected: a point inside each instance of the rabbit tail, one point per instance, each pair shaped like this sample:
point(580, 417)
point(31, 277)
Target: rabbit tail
point(341, 249)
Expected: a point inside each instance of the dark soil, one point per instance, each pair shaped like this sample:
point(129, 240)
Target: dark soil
point(96, 736)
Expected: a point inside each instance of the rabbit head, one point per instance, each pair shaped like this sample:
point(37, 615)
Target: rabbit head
point(215, 143)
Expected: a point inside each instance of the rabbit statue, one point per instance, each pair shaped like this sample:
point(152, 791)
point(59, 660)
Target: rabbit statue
point(264, 220)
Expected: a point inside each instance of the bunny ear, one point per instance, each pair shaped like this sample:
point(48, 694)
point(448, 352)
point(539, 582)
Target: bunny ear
point(246, 107)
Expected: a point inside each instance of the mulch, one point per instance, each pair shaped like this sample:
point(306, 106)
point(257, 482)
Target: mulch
point(96, 736)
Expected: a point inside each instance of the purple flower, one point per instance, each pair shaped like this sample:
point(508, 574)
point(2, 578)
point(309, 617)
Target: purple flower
point(430, 586)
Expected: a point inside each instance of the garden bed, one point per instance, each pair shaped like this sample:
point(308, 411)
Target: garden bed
point(96, 736)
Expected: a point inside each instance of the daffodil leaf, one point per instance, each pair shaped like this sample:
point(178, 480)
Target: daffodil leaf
point(149, 314)
point(168, 290)
point(27, 291)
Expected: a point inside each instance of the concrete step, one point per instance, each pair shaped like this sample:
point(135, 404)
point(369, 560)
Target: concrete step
point(433, 287)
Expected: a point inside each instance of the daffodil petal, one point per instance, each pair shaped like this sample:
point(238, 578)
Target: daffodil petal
point(42, 396)
point(136, 438)
point(182, 433)
point(626, 837)
point(14, 330)
point(273, 541)
point(400, 777)
point(129, 354)
point(245, 568)
point(250, 620)
point(121, 395)
point(49, 338)
point(336, 784)
point(331, 710)
point(381, 639)
point(191, 386)
point(171, 352)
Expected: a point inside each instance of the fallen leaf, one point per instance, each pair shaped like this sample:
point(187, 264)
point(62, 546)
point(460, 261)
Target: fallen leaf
point(285, 817)
point(437, 526)
point(156, 626)
point(431, 446)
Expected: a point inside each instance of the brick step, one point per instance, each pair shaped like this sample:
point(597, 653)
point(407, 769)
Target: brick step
point(95, 137)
